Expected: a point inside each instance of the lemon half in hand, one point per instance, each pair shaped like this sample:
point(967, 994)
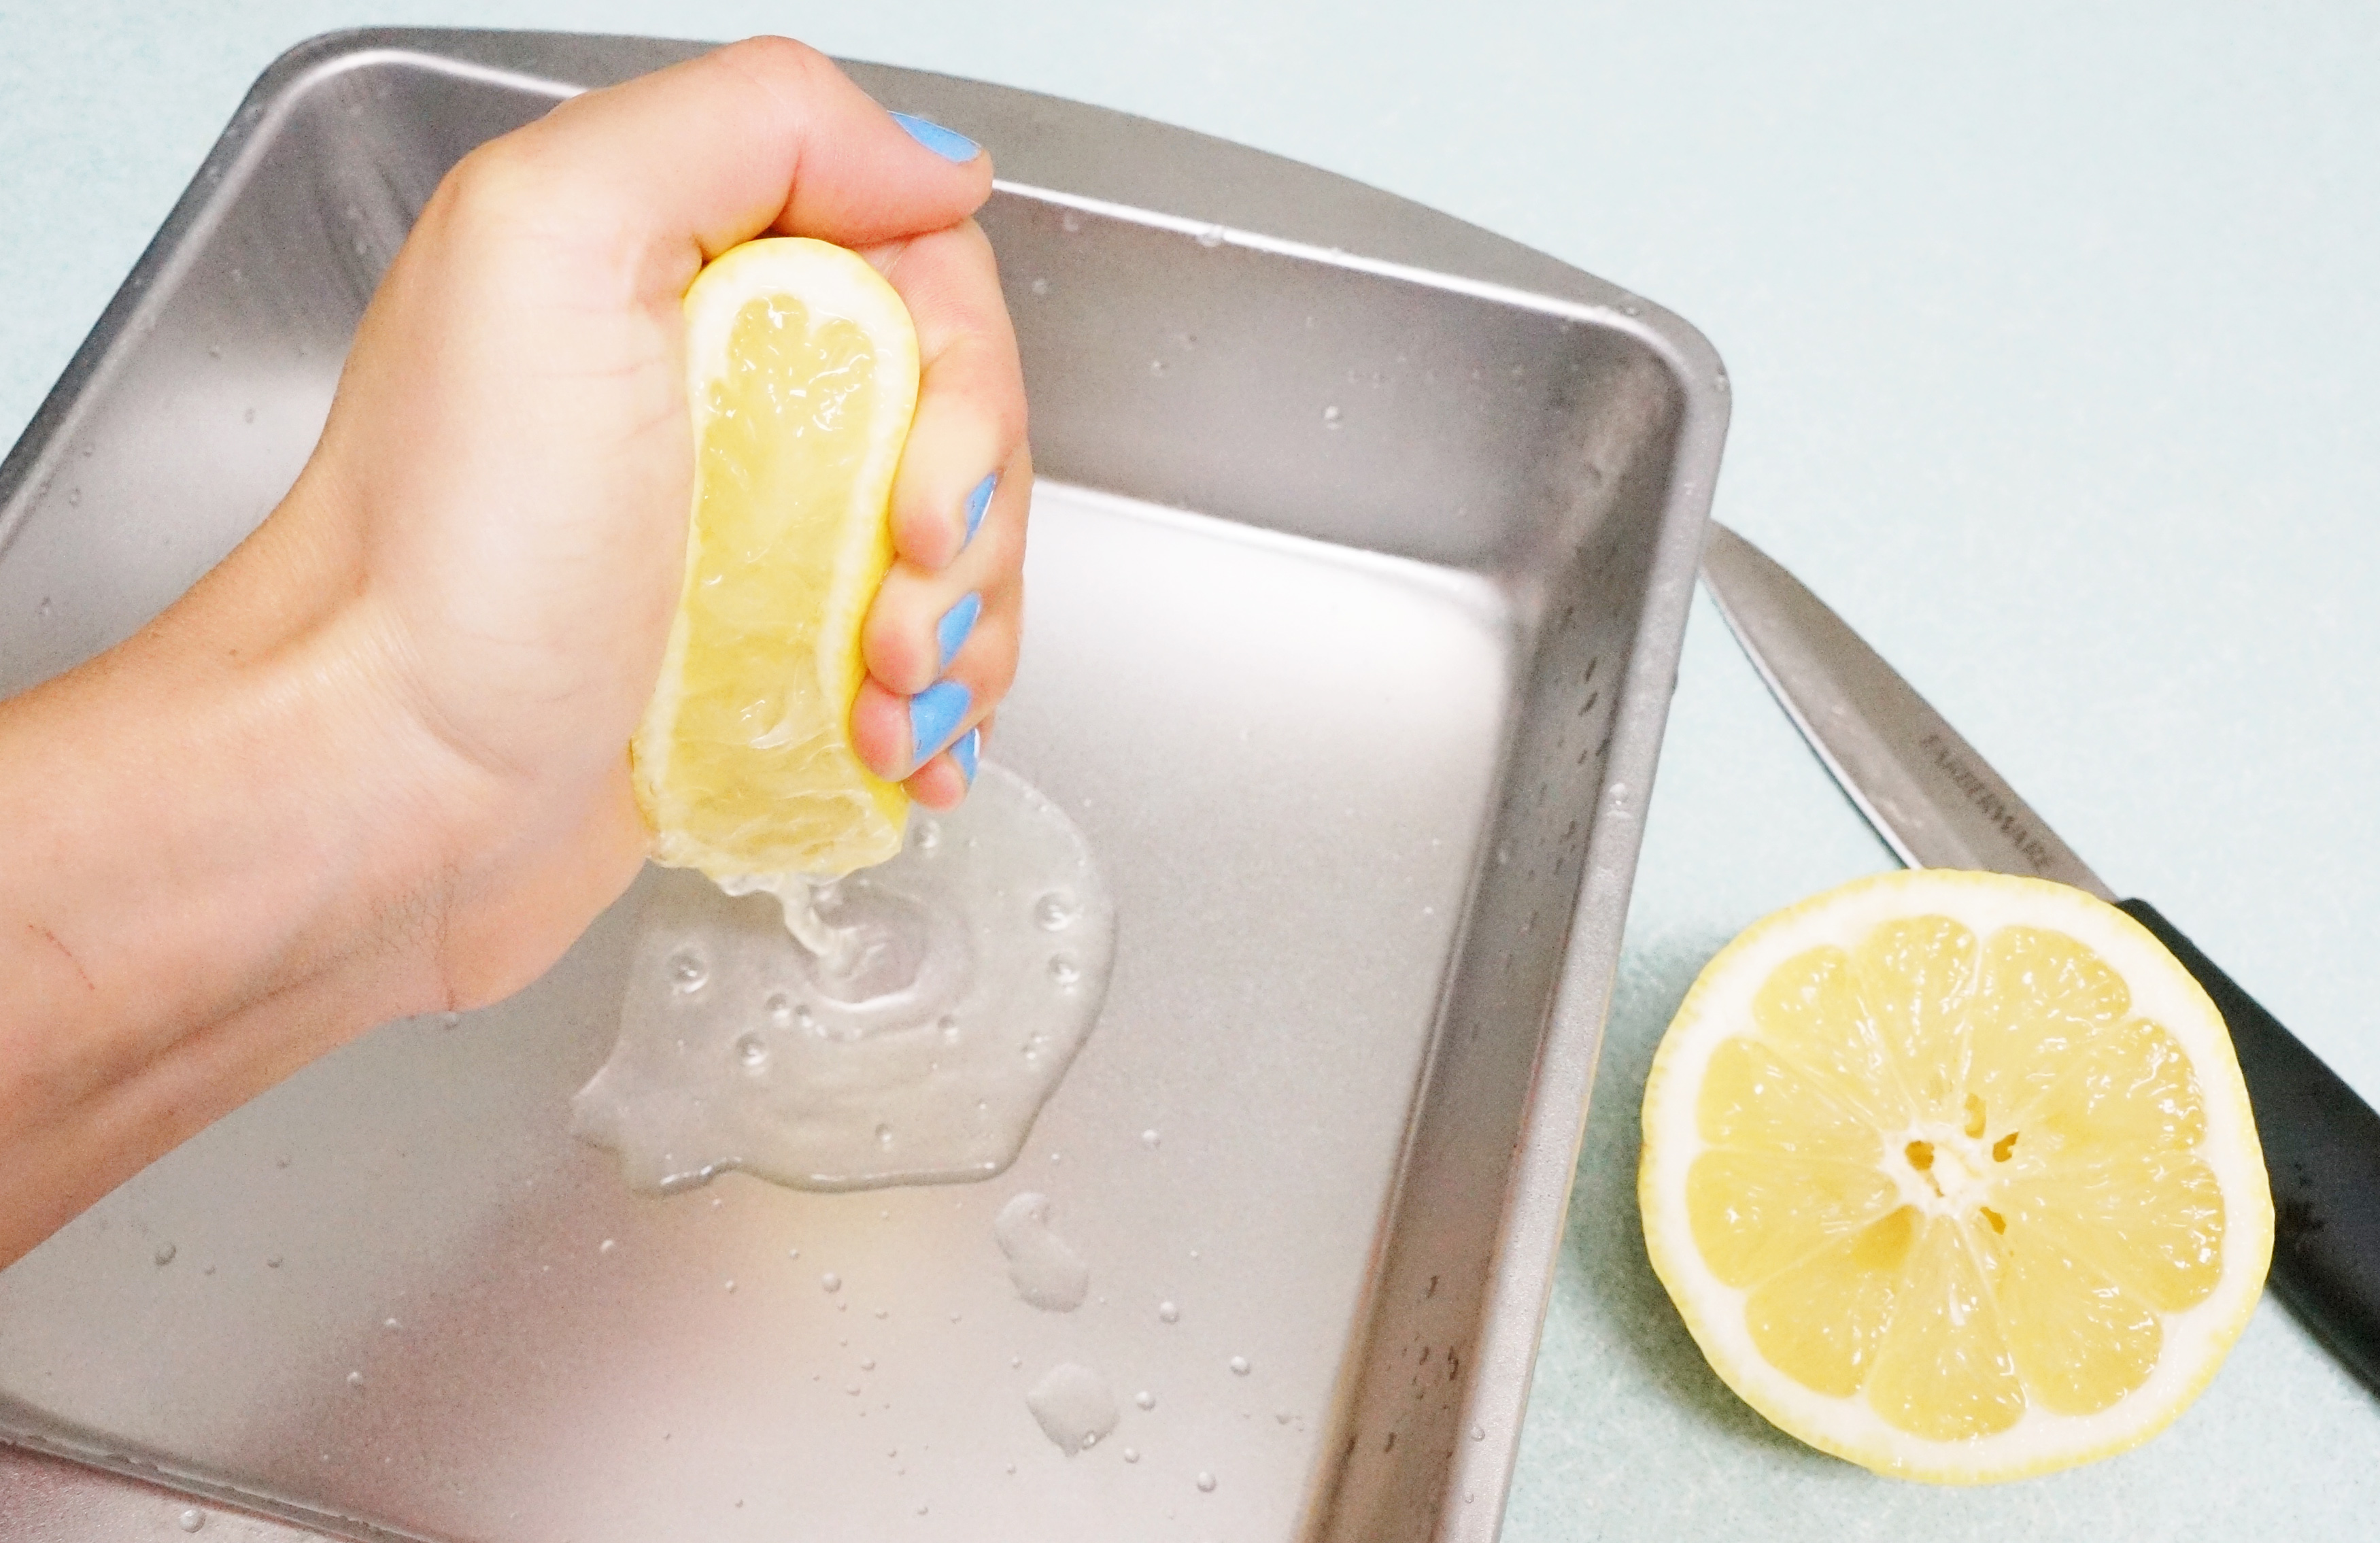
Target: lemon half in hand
point(1953, 1175)
point(802, 376)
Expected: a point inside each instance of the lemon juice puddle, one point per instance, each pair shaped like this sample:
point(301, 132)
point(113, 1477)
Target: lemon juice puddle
point(909, 1036)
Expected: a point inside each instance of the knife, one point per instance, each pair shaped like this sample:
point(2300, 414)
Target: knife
point(1937, 804)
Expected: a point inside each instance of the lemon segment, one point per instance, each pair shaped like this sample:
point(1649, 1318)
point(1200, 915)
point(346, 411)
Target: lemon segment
point(1954, 1175)
point(802, 378)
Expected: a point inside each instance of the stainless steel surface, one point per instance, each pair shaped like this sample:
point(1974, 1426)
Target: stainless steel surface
point(1360, 567)
point(1933, 799)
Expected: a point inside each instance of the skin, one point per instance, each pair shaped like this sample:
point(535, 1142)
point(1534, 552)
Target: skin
point(374, 763)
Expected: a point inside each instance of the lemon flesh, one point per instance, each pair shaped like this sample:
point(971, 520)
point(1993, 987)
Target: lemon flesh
point(1953, 1175)
point(802, 377)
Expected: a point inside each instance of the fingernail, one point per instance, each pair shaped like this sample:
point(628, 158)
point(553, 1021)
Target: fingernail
point(934, 715)
point(965, 752)
point(978, 503)
point(948, 143)
point(951, 631)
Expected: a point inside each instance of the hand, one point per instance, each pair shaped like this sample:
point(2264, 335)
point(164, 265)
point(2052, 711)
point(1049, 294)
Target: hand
point(375, 763)
point(510, 458)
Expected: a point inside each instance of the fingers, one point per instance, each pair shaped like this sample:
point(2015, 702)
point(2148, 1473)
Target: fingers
point(970, 418)
point(674, 167)
point(902, 734)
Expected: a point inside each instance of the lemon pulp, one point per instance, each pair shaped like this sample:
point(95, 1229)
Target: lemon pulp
point(803, 376)
point(1952, 1179)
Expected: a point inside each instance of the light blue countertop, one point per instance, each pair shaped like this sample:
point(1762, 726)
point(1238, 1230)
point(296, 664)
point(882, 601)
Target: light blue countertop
point(2056, 351)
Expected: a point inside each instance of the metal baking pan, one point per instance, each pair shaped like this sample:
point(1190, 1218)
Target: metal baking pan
point(1360, 565)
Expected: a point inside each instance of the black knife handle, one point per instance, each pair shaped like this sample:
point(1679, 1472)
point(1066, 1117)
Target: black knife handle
point(2322, 1149)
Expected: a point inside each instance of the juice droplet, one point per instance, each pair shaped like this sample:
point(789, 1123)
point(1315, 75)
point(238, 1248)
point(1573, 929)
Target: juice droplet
point(1043, 1267)
point(687, 972)
point(1073, 1406)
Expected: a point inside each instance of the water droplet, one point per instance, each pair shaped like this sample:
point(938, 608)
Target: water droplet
point(687, 972)
point(752, 1052)
point(779, 1008)
point(1168, 1312)
point(1719, 380)
point(1090, 1439)
point(1145, 1399)
point(1282, 1416)
point(390, 1325)
point(1070, 222)
point(449, 1020)
point(1330, 416)
point(1205, 1484)
point(74, 496)
point(731, 1288)
point(248, 416)
point(45, 607)
point(214, 350)
point(830, 1281)
point(1238, 1366)
point(1156, 367)
point(1064, 970)
point(807, 1020)
point(1632, 308)
point(273, 1261)
point(164, 1254)
point(925, 834)
point(793, 1253)
point(1041, 286)
point(1149, 1139)
point(851, 1388)
point(867, 1364)
point(884, 1138)
point(355, 1379)
point(191, 1519)
point(1132, 1454)
point(608, 1245)
point(1056, 911)
point(1479, 1433)
point(921, 1510)
point(1211, 237)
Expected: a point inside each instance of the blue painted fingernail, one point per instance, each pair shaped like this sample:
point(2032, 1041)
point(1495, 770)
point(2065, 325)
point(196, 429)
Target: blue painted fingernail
point(951, 631)
point(978, 503)
point(948, 143)
point(934, 715)
point(970, 745)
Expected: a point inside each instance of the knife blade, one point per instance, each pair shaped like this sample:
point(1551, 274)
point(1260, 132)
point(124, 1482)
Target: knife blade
point(1937, 804)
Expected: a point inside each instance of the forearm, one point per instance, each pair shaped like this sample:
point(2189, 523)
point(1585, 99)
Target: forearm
point(201, 884)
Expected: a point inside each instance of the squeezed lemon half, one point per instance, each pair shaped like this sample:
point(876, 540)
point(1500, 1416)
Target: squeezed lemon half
point(802, 376)
point(1953, 1175)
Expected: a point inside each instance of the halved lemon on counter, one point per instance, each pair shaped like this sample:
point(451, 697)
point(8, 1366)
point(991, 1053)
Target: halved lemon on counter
point(1953, 1175)
point(802, 378)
